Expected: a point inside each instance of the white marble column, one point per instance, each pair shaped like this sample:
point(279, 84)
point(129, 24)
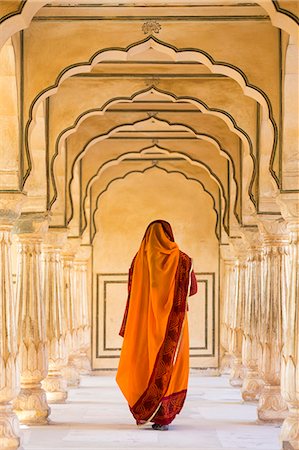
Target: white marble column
point(55, 385)
point(70, 371)
point(237, 315)
point(290, 315)
point(80, 264)
point(10, 205)
point(272, 407)
point(31, 404)
point(252, 383)
point(227, 292)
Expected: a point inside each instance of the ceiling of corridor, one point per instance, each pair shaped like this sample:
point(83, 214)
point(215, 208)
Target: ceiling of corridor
point(121, 87)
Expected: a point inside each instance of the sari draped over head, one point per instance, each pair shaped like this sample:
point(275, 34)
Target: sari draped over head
point(154, 363)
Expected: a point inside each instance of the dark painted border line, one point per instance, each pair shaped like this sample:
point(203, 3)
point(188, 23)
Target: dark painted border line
point(14, 13)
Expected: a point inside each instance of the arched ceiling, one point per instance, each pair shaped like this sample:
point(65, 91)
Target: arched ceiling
point(189, 87)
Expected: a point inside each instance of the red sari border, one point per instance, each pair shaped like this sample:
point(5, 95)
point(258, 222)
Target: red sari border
point(170, 407)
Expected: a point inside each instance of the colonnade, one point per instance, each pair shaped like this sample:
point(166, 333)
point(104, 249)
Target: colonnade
point(259, 329)
point(45, 325)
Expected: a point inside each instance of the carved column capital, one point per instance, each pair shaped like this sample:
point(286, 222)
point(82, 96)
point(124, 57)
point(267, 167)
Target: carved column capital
point(227, 253)
point(289, 206)
point(10, 208)
point(32, 224)
point(273, 230)
point(71, 246)
point(253, 237)
point(240, 246)
point(83, 254)
point(55, 238)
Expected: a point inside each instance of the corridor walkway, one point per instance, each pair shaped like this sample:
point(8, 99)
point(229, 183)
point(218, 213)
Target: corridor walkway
point(96, 417)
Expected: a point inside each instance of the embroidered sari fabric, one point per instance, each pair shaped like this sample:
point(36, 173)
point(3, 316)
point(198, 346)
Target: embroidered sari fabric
point(154, 362)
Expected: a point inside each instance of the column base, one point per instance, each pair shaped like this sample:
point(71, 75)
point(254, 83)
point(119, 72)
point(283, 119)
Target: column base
point(252, 386)
point(236, 375)
point(225, 364)
point(71, 374)
point(55, 387)
point(9, 428)
point(31, 406)
point(288, 446)
point(290, 429)
point(272, 407)
point(82, 362)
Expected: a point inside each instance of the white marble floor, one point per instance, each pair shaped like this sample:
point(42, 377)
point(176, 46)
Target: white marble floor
point(96, 417)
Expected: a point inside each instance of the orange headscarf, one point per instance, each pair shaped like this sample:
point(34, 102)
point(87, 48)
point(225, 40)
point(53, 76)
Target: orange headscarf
point(156, 308)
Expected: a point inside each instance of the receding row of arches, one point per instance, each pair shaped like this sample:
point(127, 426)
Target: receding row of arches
point(113, 116)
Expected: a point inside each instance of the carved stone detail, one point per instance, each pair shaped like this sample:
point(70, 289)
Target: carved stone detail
point(10, 205)
point(70, 372)
point(55, 385)
point(274, 268)
point(9, 428)
point(82, 360)
point(226, 308)
point(272, 407)
point(237, 372)
point(237, 315)
point(290, 320)
point(31, 404)
point(252, 383)
point(151, 26)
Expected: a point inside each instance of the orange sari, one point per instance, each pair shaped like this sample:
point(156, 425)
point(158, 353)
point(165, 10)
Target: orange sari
point(154, 363)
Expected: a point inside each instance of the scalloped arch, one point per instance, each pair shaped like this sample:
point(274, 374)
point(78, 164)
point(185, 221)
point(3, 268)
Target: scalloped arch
point(177, 55)
point(93, 234)
point(203, 107)
point(103, 167)
point(197, 163)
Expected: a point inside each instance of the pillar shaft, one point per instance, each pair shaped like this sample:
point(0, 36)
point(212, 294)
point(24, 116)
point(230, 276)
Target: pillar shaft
point(272, 407)
point(55, 385)
point(9, 358)
point(252, 382)
point(70, 371)
point(237, 316)
point(31, 404)
point(83, 361)
point(226, 307)
point(290, 322)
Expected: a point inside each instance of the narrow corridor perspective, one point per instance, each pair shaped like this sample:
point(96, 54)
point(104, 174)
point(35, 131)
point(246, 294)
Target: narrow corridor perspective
point(96, 417)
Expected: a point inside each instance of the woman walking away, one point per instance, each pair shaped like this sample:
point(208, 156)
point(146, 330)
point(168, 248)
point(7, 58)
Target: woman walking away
point(154, 363)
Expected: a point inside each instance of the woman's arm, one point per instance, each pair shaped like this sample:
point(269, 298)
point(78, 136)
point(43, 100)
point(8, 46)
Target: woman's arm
point(193, 284)
point(124, 322)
